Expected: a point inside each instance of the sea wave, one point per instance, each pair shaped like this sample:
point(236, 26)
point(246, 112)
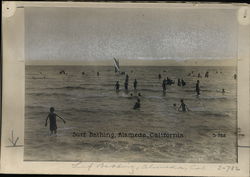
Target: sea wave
point(128, 111)
point(214, 114)
point(48, 94)
point(216, 98)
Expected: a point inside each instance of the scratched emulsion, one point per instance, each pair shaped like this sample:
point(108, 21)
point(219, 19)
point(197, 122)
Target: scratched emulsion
point(89, 103)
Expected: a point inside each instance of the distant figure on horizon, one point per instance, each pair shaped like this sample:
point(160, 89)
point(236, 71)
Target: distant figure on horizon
point(126, 79)
point(137, 104)
point(126, 85)
point(199, 75)
point(135, 84)
point(117, 86)
point(183, 83)
point(183, 107)
point(139, 94)
point(62, 72)
point(83, 73)
point(179, 82)
point(223, 91)
point(169, 81)
point(164, 85)
point(98, 73)
point(235, 76)
point(52, 121)
point(159, 76)
point(175, 106)
point(206, 74)
point(197, 87)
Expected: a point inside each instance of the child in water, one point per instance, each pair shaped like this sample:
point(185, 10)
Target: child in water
point(137, 104)
point(175, 106)
point(52, 121)
point(183, 107)
point(131, 96)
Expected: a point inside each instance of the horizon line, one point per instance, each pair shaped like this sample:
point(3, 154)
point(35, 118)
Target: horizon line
point(139, 62)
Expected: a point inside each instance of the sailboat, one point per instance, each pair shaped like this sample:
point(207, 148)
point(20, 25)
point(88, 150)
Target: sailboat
point(117, 67)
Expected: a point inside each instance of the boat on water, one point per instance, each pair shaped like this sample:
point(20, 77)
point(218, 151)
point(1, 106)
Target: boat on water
point(117, 67)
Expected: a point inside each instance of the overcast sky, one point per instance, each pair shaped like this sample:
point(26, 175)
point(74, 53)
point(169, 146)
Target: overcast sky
point(103, 33)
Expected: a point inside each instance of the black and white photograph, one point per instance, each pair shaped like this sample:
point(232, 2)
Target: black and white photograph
point(130, 85)
point(125, 88)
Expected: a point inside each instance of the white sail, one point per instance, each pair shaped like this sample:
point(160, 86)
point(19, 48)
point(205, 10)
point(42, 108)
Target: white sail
point(117, 67)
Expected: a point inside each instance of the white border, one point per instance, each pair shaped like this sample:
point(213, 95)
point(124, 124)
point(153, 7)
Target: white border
point(13, 105)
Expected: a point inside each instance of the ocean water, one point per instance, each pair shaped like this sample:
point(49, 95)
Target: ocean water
point(89, 103)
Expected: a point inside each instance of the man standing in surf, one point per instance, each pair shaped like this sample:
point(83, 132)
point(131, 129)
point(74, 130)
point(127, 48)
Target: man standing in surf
point(197, 87)
point(52, 121)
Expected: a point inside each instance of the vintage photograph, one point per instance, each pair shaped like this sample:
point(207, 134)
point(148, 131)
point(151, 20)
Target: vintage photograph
point(131, 85)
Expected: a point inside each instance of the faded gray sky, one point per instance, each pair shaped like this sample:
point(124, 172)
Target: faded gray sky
point(103, 33)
